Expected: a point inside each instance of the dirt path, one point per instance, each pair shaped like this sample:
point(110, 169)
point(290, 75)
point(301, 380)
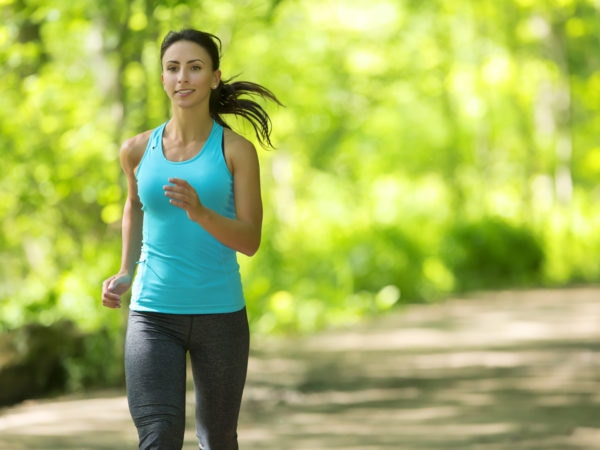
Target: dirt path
point(507, 370)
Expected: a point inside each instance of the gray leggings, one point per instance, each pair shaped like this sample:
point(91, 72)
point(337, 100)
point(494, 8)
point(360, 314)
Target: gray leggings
point(155, 371)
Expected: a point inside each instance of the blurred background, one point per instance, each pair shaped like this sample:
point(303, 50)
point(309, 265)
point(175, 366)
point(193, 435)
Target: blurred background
point(427, 148)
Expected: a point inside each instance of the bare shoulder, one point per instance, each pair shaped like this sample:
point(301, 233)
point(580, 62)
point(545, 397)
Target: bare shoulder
point(238, 150)
point(237, 143)
point(133, 149)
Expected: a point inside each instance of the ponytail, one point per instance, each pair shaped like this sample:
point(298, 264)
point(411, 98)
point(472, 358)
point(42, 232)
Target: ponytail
point(225, 99)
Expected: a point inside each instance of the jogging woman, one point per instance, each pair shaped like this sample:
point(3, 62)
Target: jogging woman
point(193, 201)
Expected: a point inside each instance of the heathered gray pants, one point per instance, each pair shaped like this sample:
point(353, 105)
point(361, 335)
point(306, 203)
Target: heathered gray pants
point(155, 370)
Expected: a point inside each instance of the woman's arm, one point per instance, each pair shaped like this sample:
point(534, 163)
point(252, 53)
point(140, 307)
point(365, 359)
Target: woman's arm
point(243, 233)
point(131, 154)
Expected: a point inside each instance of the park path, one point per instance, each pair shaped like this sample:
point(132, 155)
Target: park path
point(501, 370)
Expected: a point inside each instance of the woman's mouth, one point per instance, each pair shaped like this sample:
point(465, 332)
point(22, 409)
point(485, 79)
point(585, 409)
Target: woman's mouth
point(184, 92)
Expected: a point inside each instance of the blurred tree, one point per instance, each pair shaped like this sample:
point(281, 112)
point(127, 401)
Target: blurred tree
point(406, 122)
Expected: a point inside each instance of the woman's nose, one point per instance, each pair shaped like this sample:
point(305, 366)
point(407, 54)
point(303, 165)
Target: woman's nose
point(182, 75)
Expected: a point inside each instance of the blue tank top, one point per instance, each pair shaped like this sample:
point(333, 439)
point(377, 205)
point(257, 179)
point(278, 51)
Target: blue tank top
point(182, 268)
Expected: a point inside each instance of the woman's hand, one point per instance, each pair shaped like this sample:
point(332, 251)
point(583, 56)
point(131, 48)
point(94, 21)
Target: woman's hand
point(113, 288)
point(183, 195)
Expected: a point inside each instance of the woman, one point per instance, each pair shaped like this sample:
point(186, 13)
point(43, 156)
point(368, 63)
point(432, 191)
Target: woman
point(193, 201)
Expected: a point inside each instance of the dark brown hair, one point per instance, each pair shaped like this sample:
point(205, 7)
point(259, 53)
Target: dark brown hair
point(225, 99)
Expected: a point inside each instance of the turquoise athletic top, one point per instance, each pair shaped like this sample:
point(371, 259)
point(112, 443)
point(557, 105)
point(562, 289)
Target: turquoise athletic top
point(182, 268)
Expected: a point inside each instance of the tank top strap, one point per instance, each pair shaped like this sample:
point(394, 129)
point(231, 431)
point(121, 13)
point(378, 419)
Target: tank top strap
point(157, 134)
point(153, 144)
point(213, 142)
point(220, 142)
point(212, 147)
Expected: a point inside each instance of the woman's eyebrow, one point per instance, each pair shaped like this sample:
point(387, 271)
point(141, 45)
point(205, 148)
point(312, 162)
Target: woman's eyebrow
point(190, 61)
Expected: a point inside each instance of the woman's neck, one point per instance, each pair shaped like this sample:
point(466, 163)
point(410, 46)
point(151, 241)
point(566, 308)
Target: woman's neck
point(190, 125)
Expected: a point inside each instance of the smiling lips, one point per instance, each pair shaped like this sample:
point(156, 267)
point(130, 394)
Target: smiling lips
point(184, 92)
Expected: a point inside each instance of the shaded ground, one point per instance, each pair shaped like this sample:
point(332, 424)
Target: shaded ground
point(505, 370)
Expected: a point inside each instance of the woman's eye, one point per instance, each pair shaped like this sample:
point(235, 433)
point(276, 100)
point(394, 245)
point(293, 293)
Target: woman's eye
point(171, 69)
point(196, 67)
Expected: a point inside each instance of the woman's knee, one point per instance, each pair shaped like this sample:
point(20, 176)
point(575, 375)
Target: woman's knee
point(218, 440)
point(160, 434)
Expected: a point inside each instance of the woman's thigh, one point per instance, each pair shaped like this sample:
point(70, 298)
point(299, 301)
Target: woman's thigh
point(219, 346)
point(155, 360)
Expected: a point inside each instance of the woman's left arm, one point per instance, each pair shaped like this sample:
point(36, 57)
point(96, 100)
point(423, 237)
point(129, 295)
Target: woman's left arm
point(243, 233)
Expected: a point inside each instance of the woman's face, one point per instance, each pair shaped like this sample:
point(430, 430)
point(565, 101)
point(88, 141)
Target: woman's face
point(187, 74)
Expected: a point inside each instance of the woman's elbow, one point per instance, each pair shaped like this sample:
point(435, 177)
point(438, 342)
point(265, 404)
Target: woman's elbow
point(251, 248)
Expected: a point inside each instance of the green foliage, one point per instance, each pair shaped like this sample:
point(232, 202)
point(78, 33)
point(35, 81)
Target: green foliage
point(491, 253)
point(407, 126)
point(387, 255)
point(38, 359)
point(94, 364)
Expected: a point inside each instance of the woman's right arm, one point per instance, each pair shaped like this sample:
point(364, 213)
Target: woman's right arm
point(131, 154)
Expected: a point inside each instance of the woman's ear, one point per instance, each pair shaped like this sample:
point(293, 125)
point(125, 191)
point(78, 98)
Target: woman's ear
point(216, 78)
point(162, 80)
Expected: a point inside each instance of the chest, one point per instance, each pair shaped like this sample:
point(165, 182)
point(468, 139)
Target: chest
point(178, 152)
point(208, 176)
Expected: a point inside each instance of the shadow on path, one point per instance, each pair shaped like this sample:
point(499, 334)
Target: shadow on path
point(503, 370)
